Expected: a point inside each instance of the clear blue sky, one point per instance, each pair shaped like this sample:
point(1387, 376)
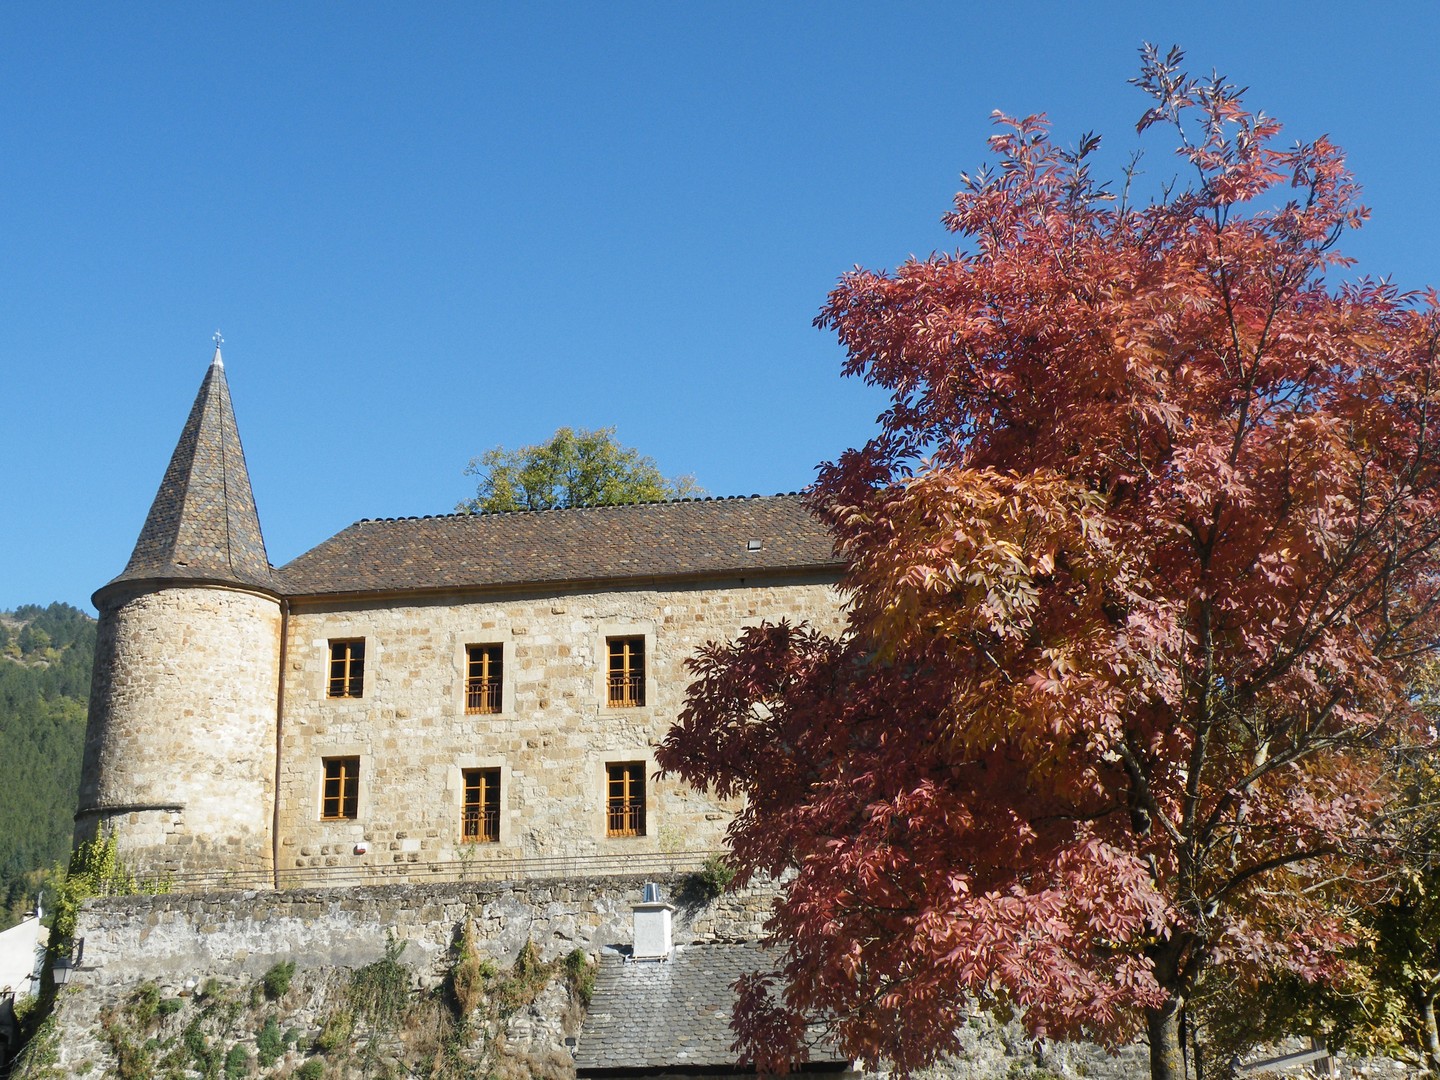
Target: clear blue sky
point(429, 229)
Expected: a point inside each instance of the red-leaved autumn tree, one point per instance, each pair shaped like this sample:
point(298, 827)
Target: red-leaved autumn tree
point(1139, 562)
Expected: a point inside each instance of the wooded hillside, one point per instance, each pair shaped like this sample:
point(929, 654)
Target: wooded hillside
point(45, 659)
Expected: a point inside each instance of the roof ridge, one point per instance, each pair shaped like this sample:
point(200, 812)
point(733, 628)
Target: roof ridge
point(466, 514)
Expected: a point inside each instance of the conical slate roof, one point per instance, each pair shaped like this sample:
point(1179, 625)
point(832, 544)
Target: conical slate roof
point(203, 525)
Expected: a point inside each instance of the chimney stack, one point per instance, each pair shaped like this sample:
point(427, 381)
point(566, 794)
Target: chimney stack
point(652, 926)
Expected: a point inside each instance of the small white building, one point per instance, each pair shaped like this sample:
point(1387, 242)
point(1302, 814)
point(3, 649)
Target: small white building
point(22, 953)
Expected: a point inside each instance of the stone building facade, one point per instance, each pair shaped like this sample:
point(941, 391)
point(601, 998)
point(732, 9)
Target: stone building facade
point(420, 691)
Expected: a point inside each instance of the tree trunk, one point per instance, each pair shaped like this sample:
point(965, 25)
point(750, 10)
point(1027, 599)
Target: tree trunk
point(1166, 1059)
point(1429, 1033)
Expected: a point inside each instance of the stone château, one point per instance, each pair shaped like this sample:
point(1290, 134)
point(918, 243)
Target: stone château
point(415, 690)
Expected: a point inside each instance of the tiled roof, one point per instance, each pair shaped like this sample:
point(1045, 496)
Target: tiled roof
point(688, 537)
point(669, 1014)
point(202, 525)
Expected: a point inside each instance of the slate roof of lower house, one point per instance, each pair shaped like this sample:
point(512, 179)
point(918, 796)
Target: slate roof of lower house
point(686, 537)
point(671, 1014)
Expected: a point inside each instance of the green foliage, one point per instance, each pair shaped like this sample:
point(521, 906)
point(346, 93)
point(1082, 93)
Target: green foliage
point(1384, 1001)
point(714, 876)
point(145, 1004)
point(575, 468)
point(42, 1051)
point(133, 1060)
point(95, 870)
point(313, 1069)
point(336, 1031)
point(580, 973)
point(45, 659)
point(525, 981)
point(379, 991)
point(269, 1043)
point(206, 1057)
point(237, 1063)
point(277, 979)
point(34, 642)
point(468, 977)
point(462, 1027)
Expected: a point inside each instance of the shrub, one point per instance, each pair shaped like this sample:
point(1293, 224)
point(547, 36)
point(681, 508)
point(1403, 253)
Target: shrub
point(269, 1044)
point(277, 979)
point(237, 1063)
point(145, 1003)
point(313, 1069)
point(132, 1061)
point(470, 975)
point(336, 1030)
point(715, 876)
point(526, 980)
point(379, 991)
point(581, 974)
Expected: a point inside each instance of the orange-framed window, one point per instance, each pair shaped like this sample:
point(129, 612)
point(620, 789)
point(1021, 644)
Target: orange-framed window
point(625, 672)
point(484, 678)
point(347, 668)
point(480, 817)
point(625, 798)
point(340, 792)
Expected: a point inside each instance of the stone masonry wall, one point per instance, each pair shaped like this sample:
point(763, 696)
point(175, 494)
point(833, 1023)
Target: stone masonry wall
point(180, 942)
point(180, 747)
point(551, 740)
point(179, 937)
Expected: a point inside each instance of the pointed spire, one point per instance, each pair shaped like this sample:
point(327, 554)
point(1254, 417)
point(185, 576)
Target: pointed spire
point(203, 525)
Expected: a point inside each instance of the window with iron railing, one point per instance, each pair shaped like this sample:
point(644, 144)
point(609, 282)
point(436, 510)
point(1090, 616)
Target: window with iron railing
point(480, 815)
point(484, 678)
point(625, 799)
point(340, 789)
point(625, 681)
point(347, 668)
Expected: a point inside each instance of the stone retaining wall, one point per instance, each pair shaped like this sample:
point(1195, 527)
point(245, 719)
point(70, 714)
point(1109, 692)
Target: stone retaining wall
point(180, 937)
point(185, 943)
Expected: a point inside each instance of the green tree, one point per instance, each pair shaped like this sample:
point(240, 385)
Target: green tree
point(575, 467)
point(42, 734)
point(1384, 999)
point(33, 639)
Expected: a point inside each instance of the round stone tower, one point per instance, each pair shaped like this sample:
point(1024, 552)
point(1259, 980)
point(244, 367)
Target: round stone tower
point(181, 742)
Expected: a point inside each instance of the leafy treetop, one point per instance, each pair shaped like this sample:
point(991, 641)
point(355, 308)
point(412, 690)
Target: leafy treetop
point(1143, 549)
point(576, 467)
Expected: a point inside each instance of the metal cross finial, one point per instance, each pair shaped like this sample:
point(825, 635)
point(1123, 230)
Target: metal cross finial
point(217, 339)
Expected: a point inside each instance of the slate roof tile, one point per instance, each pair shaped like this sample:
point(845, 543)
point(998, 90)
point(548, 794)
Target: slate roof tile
point(202, 525)
point(688, 537)
point(672, 1013)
